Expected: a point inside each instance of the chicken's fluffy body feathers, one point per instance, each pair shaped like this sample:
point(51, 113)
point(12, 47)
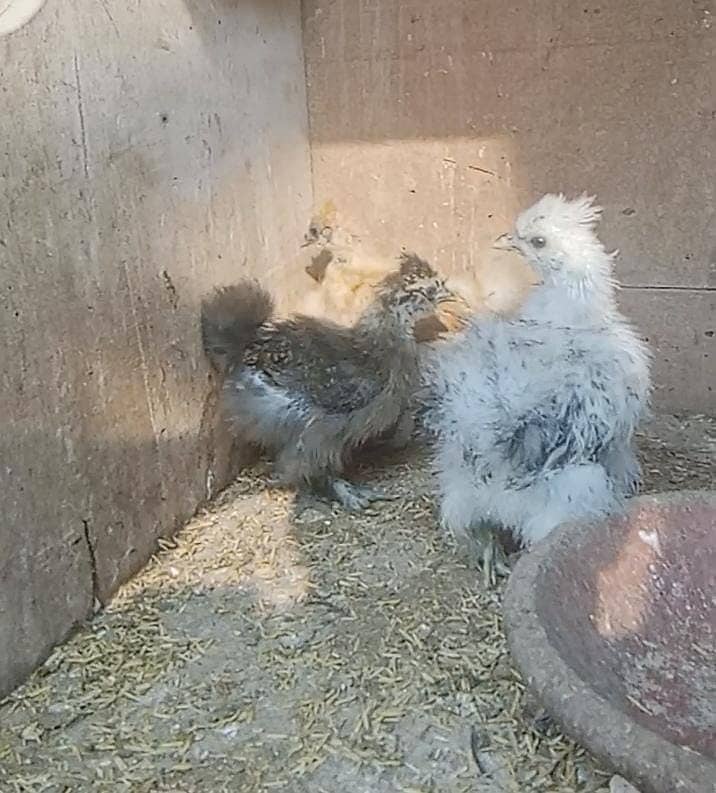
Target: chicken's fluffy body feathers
point(535, 415)
point(311, 392)
point(537, 412)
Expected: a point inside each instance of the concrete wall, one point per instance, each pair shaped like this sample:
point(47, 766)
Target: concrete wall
point(148, 152)
point(432, 123)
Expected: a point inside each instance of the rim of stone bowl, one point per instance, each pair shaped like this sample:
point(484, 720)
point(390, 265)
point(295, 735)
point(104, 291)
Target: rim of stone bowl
point(647, 760)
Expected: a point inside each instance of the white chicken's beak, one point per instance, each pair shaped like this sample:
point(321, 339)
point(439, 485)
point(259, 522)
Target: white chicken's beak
point(505, 242)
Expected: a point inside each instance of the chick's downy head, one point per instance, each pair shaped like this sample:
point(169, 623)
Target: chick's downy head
point(416, 298)
point(324, 229)
point(319, 233)
point(557, 237)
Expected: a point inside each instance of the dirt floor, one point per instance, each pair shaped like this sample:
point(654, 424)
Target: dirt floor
point(297, 648)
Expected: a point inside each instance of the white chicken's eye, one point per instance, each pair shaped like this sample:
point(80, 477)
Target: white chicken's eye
point(538, 242)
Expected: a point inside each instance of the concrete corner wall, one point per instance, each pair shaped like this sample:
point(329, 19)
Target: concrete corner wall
point(433, 123)
point(149, 151)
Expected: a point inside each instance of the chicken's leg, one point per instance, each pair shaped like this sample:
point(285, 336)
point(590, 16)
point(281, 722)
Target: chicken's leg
point(355, 497)
point(491, 554)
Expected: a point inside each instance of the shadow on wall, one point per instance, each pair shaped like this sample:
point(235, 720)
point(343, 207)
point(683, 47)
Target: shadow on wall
point(91, 482)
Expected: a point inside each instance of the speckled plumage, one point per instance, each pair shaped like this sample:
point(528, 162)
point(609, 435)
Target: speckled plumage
point(344, 274)
point(535, 415)
point(312, 392)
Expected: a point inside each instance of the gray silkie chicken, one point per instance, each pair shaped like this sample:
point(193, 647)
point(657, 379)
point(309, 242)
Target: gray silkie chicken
point(535, 414)
point(312, 393)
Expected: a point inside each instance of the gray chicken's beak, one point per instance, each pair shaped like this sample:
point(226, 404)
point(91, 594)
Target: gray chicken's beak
point(505, 242)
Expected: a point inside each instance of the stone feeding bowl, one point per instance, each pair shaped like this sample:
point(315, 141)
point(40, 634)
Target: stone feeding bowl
point(613, 626)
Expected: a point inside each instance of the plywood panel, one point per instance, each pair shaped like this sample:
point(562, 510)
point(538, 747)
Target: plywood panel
point(680, 327)
point(149, 151)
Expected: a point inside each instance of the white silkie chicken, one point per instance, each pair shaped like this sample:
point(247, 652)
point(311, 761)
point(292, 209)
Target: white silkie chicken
point(535, 414)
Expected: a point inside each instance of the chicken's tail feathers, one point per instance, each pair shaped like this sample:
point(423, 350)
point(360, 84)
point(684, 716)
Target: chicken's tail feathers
point(230, 318)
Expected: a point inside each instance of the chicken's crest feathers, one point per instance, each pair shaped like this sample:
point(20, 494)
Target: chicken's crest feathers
point(412, 273)
point(230, 318)
point(413, 268)
point(560, 215)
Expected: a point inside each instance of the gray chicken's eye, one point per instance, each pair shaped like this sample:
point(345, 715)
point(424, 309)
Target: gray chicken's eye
point(538, 242)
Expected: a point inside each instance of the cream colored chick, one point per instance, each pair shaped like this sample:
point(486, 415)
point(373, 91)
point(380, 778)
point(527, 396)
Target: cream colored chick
point(343, 270)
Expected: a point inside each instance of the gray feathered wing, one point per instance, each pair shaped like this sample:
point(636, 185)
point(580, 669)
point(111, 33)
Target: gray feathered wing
point(324, 365)
point(570, 427)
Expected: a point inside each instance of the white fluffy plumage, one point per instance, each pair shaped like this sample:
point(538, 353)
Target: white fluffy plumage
point(535, 414)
